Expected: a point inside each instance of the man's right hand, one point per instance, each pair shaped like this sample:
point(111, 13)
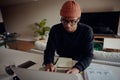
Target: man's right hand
point(50, 68)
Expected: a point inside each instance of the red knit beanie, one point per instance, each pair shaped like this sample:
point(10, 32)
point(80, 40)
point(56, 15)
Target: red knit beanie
point(70, 9)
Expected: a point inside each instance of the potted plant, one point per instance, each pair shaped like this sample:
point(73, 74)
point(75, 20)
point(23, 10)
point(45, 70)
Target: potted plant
point(41, 30)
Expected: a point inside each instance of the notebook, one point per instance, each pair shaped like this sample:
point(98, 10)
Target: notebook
point(63, 62)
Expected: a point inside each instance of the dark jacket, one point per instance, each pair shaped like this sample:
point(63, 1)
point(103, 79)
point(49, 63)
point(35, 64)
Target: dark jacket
point(77, 45)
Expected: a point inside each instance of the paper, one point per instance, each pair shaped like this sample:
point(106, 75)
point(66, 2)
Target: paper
point(64, 62)
point(98, 72)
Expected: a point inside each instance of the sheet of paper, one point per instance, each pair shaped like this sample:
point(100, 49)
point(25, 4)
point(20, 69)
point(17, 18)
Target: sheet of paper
point(97, 72)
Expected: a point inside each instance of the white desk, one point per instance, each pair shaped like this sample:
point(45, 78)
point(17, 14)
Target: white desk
point(14, 57)
point(9, 57)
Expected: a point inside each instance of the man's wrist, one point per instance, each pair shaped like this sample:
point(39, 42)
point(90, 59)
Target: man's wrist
point(77, 68)
point(49, 64)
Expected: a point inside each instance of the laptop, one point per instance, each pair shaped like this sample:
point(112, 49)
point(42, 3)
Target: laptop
point(28, 74)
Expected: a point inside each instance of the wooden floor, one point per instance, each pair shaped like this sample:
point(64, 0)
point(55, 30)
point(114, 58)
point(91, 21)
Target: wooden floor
point(21, 45)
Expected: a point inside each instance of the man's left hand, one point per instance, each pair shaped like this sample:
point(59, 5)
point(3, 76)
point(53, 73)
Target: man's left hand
point(73, 71)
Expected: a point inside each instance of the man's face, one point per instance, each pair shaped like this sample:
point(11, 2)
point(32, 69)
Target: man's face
point(70, 24)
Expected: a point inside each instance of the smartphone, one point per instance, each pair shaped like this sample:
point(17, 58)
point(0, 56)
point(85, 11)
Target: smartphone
point(27, 64)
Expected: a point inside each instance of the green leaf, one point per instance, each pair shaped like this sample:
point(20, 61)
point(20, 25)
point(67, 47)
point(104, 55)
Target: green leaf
point(41, 28)
point(43, 23)
point(46, 28)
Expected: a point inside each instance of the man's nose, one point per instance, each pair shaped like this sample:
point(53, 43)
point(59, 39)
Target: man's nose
point(68, 25)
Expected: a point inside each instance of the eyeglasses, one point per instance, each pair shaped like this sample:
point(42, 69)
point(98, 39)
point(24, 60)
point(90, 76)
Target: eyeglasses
point(71, 22)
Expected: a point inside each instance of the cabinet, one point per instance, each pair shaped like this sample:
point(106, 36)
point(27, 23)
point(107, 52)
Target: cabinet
point(108, 43)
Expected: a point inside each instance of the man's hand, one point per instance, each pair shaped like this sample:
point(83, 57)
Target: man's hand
point(50, 68)
point(73, 71)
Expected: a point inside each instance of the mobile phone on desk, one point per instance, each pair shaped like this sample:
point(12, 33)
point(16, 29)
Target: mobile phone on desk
point(26, 64)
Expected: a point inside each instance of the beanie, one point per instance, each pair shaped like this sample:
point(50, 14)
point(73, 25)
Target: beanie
point(70, 9)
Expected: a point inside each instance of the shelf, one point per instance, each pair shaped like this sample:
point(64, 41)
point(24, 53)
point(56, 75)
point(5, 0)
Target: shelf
point(98, 41)
point(106, 36)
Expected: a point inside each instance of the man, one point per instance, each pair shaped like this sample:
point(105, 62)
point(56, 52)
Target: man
point(70, 39)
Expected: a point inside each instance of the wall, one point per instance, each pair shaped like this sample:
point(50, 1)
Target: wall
point(20, 18)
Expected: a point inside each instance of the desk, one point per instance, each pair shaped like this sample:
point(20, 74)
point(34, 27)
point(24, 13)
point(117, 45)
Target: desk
point(9, 56)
